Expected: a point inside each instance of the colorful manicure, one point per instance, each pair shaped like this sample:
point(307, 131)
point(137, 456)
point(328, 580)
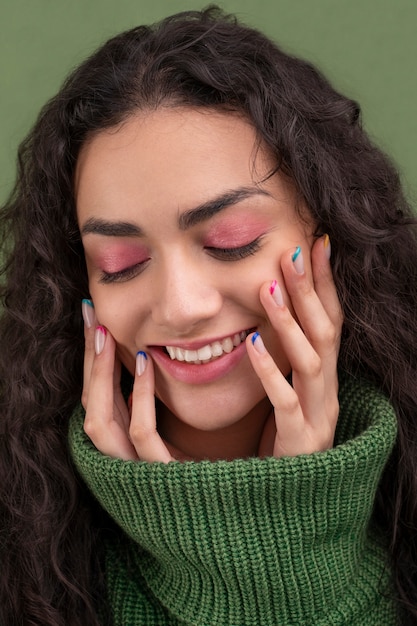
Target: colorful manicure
point(87, 309)
point(141, 359)
point(327, 246)
point(297, 259)
point(258, 344)
point(276, 293)
point(100, 339)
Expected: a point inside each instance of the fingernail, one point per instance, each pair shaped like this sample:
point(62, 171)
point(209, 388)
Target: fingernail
point(327, 246)
point(100, 339)
point(297, 259)
point(87, 309)
point(276, 293)
point(141, 359)
point(258, 344)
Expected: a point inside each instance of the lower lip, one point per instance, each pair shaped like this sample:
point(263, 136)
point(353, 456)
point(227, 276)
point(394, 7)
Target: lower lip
point(199, 374)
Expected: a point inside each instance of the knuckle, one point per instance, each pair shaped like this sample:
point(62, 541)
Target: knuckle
point(290, 403)
point(84, 399)
point(315, 365)
point(90, 428)
point(327, 336)
point(140, 434)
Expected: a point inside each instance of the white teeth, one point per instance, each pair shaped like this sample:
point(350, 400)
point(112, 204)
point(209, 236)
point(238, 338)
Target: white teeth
point(178, 354)
point(204, 353)
point(208, 352)
point(216, 348)
point(227, 345)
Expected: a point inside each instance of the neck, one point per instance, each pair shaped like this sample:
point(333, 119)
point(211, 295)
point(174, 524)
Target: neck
point(239, 440)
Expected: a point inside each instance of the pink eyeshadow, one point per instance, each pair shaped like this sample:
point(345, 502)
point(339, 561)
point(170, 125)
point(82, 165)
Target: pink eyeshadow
point(235, 231)
point(117, 257)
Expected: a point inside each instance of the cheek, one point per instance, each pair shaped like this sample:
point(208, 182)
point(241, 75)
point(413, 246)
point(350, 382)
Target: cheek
point(263, 271)
point(113, 313)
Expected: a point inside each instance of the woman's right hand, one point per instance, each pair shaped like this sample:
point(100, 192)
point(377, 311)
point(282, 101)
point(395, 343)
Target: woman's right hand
point(119, 431)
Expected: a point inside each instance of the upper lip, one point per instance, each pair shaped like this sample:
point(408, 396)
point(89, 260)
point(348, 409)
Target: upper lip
point(196, 345)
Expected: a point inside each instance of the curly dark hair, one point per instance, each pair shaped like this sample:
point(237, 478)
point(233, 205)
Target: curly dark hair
point(50, 530)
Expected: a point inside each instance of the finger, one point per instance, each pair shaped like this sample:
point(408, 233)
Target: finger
point(322, 331)
point(293, 434)
point(87, 309)
point(143, 432)
point(308, 307)
point(306, 365)
point(311, 351)
point(318, 310)
point(280, 393)
point(103, 422)
point(323, 280)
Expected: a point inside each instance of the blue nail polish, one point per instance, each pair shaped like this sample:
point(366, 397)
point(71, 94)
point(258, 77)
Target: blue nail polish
point(88, 302)
point(296, 254)
point(297, 259)
point(258, 344)
point(141, 359)
point(254, 337)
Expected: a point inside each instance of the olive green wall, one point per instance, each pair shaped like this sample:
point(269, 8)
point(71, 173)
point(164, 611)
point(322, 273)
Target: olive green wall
point(367, 47)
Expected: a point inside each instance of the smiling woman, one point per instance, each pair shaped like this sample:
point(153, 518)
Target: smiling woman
point(231, 439)
point(200, 226)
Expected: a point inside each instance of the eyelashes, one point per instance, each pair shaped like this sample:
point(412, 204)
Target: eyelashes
point(221, 254)
point(234, 254)
point(124, 275)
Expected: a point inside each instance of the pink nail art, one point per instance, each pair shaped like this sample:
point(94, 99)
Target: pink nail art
point(276, 293)
point(100, 339)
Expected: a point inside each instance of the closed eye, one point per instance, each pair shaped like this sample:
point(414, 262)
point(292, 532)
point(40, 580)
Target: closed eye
point(237, 253)
point(123, 275)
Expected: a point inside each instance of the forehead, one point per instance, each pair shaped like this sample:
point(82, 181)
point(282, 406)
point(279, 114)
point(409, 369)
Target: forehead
point(171, 157)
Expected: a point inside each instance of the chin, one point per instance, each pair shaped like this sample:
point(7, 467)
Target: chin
point(213, 409)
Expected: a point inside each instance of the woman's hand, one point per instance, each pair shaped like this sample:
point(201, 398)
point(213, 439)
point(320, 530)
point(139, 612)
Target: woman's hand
point(306, 412)
point(115, 429)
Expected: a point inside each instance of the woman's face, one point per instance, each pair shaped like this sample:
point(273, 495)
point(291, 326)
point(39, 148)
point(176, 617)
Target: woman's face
point(181, 222)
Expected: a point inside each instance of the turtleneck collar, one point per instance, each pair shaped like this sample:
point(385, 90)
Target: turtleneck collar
point(242, 542)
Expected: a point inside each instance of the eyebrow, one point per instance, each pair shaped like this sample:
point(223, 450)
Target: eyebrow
point(98, 226)
point(210, 208)
point(186, 220)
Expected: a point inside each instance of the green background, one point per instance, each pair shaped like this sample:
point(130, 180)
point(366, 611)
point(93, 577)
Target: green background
point(367, 47)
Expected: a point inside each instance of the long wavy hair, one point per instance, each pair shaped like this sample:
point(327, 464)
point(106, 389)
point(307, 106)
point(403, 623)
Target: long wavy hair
point(50, 530)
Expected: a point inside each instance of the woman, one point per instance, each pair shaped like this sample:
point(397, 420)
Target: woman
point(191, 178)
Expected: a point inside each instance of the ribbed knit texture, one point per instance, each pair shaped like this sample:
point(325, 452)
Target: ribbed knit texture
point(254, 542)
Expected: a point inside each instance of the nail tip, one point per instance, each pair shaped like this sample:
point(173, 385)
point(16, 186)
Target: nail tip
point(327, 246)
point(296, 254)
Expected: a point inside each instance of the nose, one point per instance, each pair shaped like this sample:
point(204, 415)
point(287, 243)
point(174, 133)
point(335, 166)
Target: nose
point(186, 296)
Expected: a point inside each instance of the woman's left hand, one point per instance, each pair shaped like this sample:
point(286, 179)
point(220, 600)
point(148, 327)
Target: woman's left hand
point(307, 410)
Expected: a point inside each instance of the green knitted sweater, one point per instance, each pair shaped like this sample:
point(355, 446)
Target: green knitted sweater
point(253, 542)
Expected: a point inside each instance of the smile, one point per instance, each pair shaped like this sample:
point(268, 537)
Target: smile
point(208, 353)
